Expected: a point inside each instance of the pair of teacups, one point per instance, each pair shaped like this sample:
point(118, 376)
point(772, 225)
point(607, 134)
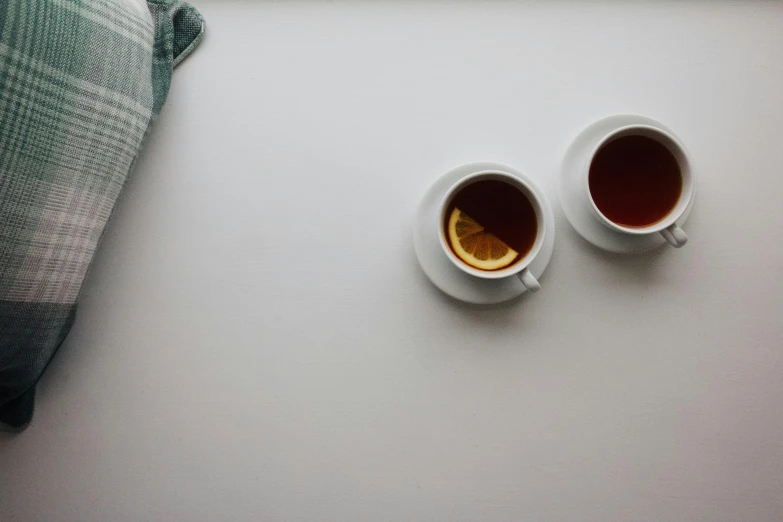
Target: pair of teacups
point(666, 227)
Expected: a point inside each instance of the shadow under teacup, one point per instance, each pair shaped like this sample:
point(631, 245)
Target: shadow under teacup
point(534, 228)
point(638, 180)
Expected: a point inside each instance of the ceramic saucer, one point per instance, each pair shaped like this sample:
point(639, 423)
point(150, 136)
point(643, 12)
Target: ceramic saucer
point(440, 269)
point(575, 203)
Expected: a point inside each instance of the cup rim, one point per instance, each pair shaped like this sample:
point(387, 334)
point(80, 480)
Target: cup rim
point(536, 201)
point(680, 154)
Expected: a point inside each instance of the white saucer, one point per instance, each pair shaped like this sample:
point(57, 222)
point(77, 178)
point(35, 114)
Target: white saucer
point(440, 269)
point(574, 201)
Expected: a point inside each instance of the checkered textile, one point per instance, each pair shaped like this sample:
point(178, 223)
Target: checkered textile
point(80, 83)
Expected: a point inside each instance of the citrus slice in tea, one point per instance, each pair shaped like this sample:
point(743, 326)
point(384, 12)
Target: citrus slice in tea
point(476, 247)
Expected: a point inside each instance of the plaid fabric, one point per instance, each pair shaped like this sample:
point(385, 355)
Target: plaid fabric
point(80, 83)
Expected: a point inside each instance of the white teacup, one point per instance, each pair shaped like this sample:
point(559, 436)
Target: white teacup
point(520, 267)
point(667, 226)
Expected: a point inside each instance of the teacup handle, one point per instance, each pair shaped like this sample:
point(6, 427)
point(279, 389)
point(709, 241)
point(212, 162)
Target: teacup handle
point(529, 280)
point(674, 235)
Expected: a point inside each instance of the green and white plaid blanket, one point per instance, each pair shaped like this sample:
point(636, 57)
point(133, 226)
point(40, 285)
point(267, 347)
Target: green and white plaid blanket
point(80, 83)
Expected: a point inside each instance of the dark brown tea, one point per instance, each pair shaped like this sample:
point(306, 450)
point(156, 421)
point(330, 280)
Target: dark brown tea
point(635, 181)
point(490, 210)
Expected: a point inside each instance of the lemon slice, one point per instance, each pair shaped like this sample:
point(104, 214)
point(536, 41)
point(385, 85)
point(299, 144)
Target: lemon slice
point(475, 247)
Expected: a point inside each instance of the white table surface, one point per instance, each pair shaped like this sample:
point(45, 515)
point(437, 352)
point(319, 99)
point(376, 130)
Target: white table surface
point(257, 342)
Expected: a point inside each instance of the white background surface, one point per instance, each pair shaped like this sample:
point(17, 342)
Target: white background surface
point(256, 341)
